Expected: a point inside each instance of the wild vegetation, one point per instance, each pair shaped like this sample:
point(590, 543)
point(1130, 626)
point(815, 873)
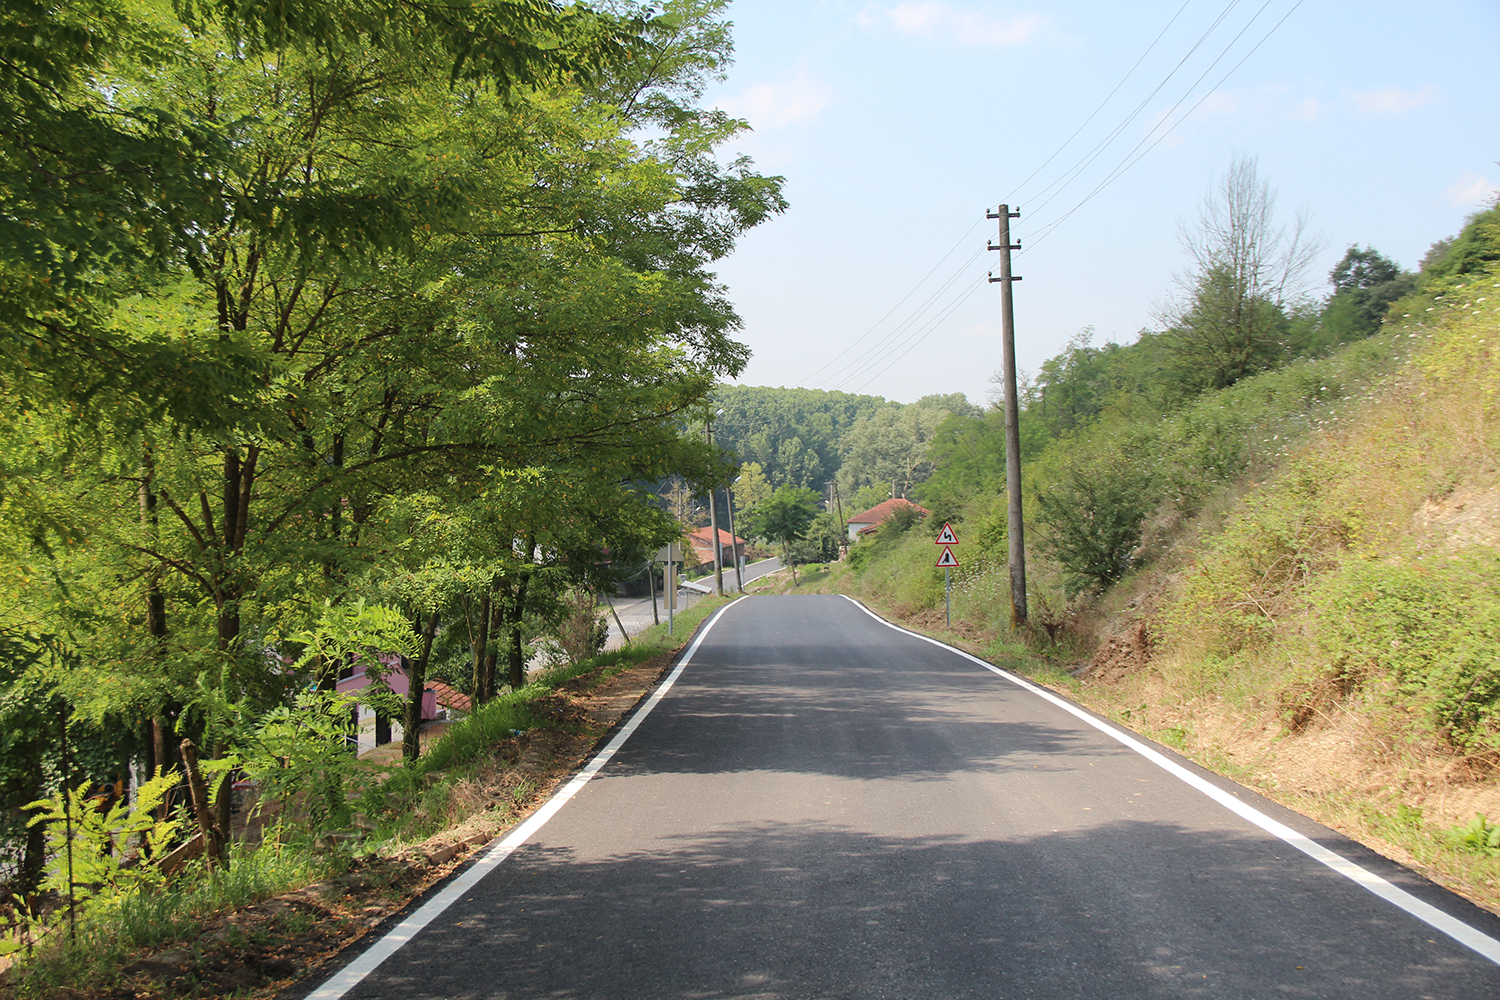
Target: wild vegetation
point(1281, 559)
point(333, 333)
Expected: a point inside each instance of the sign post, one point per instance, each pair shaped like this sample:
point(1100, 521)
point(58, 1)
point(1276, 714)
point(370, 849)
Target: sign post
point(947, 539)
point(669, 554)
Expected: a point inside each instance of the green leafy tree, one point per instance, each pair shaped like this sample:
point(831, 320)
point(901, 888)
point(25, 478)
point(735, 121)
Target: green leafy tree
point(304, 265)
point(793, 434)
point(751, 489)
point(785, 517)
point(1247, 271)
point(1092, 509)
point(889, 447)
point(1474, 250)
point(1365, 283)
point(821, 542)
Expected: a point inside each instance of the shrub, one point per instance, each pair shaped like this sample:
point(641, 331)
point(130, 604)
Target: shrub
point(1092, 513)
point(1431, 625)
point(583, 631)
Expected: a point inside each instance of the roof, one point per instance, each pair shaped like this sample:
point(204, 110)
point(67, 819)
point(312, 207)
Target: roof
point(705, 535)
point(878, 513)
point(450, 697)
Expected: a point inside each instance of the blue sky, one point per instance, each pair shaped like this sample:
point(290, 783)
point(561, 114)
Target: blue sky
point(898, 124)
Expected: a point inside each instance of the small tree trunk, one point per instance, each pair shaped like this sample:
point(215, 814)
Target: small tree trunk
point(481, 651)
point(224, 799)
point(160, 760)
point(214, 846)
point(416, 676)
point(651, 580)
point(492, 659)
point(518, 614)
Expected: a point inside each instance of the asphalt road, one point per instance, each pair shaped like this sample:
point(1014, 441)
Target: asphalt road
point(822, 806)
point(637, 615)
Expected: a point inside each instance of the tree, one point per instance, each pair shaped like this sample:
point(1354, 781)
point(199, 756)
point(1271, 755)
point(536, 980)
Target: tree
point(1365, 283)
point(273, 276)
point(1474, 249)
point(1091, 510)
point(751, 489)
point(785, 517)
point(1231, 319)
point(820, 542)
point(889, 446)
point(759, 425)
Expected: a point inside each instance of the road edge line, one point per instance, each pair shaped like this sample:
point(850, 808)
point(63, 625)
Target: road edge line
point(1466, 935)
point(370, 959)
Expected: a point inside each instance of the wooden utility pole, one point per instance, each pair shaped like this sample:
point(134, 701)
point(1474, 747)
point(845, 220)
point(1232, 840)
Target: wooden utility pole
point(734, 545)
point(713, 517)
point(1014, 528)
point(843, 527)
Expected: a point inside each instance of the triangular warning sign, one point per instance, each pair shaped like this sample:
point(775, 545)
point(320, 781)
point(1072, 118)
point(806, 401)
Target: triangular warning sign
point(946, 536)
point(947, 560)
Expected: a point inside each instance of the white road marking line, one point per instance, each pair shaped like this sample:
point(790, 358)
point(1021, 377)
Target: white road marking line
point(1454, 928)
point(350, 976)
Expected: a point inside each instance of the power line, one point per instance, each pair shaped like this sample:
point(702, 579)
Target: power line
point(932, 328)
point(891, 349)
point(1073, 172)
point(857, 366)
point(1107, 97)
point(855, 343)
point(894, 340)
point(1127, 162)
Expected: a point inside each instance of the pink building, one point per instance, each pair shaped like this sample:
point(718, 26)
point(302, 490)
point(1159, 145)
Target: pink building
point(371, 728)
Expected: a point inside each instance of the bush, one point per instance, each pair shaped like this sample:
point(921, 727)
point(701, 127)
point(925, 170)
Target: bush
point(1432, 626)
point(583, 631)
point(1092, 513)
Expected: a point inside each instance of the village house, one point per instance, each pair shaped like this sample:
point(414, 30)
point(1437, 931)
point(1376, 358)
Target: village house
point(863, 524)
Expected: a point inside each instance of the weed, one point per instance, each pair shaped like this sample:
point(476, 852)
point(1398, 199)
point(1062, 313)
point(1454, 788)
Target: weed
point(1173, 736)
point(1479, 835)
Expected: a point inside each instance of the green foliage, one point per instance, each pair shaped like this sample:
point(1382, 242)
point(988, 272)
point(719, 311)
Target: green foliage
point(786, 515)
point(1478, 835)
point(303, 751)
point(1092, 511)
point(344, 633)
point(1234, 317)
point(328, 326)
point(822, 541)
point(1475, 251)
point(1432, 625)
point(581, 633)
point(1327, 566)
point(794, 435)
point(1365, 284)
point(111, 937)
point(889, 447)
point(481, 729)
point(90, 867)
point(751, 489)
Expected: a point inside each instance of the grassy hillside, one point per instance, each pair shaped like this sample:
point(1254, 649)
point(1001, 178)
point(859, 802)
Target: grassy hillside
point(1296, 580)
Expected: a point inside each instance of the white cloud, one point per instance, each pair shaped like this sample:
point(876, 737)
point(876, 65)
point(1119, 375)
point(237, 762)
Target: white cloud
point(792, 101)
point(1310, 110)
point(965, 25)
point(1471, 189)
point(1395, 100)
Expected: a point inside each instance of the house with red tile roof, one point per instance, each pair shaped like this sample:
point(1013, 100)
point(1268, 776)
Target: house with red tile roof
point(864, 524)
point(702, 541)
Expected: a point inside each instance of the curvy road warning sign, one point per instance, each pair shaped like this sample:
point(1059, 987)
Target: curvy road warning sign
point(946, 536)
